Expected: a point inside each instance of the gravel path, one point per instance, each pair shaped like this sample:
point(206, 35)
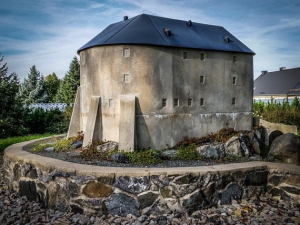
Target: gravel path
point(263, 210)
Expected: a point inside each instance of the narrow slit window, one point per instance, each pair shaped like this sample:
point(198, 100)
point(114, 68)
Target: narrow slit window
point(202, 79)
point(202, 101)
point(164, 102)
point(126, 78)
point(185, 55)
point(176, 102)
point(111, 103)
point(234, 59)
point(126, 52)
point(190, 102)
point(234, 80)
point(202, 56)
point(233, 101)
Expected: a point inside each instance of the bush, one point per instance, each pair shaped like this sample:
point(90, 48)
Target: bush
point(277, 112)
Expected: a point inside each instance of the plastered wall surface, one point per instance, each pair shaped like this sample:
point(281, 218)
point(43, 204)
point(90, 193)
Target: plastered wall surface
point(153, 73)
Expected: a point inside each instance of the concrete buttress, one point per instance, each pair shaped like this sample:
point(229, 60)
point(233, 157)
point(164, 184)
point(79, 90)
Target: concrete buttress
point(127, 123)
point(93, 131)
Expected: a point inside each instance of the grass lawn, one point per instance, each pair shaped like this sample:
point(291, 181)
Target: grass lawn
point(12, 140)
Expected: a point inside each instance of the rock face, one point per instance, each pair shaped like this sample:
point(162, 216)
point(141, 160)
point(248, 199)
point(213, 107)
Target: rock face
point(285, 148)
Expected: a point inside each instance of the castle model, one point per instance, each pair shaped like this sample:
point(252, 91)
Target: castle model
point(148, 81)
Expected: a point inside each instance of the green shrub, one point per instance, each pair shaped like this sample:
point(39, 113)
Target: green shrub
point(188, 152)
point(63, 145)
point(276, 112)
point(40, 147)
point(144, 157)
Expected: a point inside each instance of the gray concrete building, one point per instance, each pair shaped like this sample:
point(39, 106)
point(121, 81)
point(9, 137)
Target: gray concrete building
point(148, 81)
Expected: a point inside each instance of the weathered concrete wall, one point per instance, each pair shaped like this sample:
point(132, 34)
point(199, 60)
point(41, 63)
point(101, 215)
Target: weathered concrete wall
point(154, 73)
point(98, 190)
point(270, 127)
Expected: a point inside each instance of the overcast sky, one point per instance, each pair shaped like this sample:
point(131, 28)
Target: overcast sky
point(48, 33)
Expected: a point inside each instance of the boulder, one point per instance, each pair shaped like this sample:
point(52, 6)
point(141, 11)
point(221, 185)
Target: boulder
point(212, 151)
point(286, 149)
point(108, 146)
point(120, 158)
point(273, 135)
point(233, 147)
point(76, 144)
point(169, 154)
point(255, 143)
point(245, 145)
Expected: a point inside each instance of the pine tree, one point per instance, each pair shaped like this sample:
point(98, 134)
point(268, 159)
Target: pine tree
point(68, 86)
point(33, 89)
point(9, 85)
point(52, 85)
point(11, 109)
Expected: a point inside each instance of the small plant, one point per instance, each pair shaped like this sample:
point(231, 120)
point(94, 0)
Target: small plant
point(63, 145)
point(40, 147)
point(90, 152)
point(144, 157)
point(188, 153)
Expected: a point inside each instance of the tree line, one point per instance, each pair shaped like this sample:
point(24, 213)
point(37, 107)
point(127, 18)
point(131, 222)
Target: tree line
point(17, 118)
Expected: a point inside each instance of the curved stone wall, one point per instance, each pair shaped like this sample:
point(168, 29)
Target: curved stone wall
point(98, 190)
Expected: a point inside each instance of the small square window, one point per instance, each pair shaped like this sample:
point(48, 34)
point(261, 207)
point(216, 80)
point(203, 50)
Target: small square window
point(190, 102)
point(164, 102)
point(234, 80)
point(185, 55)
point(202, 56)
point(202, 101)
point(126, 78)
point(202, 79)
point(111, 103)
point(234, 59)
point(233, 101)
point(176, 102)
point(126, 52)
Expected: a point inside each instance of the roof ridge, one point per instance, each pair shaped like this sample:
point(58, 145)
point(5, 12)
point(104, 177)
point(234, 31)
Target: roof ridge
point(121, 28)
point(158, 29)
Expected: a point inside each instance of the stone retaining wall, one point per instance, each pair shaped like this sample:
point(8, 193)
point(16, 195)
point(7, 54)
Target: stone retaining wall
point(90, 189)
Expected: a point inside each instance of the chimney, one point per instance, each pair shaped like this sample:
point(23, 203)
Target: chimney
point(282, 68)
point(167, 31)
point(125, 18)
point(264, 72)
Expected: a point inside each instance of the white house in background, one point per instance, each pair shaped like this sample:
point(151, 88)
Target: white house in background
point(278, 85)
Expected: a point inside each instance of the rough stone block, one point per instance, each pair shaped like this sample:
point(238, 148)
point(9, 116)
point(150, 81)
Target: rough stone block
point(256, 178)
point(147, 199)
point(134, 185)
point(192, 202)
point(121, 204)
point(28, 189)
point(232, 192)
point(94, 189)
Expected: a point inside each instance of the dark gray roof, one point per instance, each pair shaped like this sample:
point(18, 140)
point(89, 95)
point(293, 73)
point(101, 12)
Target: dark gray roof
point(295, 90)
point(150, 30)
point(278, 82)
